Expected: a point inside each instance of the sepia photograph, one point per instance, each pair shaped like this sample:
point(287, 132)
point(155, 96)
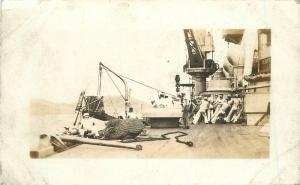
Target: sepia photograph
point(149, 92)
point(212, 99)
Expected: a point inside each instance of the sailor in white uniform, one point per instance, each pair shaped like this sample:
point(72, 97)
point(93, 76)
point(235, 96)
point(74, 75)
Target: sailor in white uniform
point(210, 110)
point(218, 104)
point(225, 105)
point(236, 102)
point(202, 111)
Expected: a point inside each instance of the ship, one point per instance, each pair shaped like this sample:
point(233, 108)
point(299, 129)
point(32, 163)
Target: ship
point(245, 71)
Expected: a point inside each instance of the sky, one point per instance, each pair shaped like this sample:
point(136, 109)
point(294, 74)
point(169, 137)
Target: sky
point(61, 45)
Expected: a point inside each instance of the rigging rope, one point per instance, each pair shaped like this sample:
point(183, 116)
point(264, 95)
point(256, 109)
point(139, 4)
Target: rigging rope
point(99, 89)
point(99, 81)
point(114, 84)
point(147, 86)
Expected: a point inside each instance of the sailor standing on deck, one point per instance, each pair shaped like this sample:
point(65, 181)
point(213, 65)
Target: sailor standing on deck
point(131, 114)
point(202, 111)
point(210, 110)
point(187, 112)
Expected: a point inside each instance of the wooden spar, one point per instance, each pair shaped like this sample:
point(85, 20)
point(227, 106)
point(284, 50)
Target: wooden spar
point(99, 142)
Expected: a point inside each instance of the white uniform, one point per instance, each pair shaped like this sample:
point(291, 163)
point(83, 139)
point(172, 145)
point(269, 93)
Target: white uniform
point(224, 107)
point(201, 112)
point(235, 104)
point(89, 124)
point(210, 111)
point(132, 115)
point(218, 103)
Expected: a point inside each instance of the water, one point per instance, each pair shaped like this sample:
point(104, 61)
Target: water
point(54, 124)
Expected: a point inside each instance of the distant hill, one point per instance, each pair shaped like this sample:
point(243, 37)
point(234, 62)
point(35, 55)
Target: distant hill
point(112, 104)
point(44, 107)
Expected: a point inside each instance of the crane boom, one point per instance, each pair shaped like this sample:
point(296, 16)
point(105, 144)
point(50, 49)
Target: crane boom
point(126, 97)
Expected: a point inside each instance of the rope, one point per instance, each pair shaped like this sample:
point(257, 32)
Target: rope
point(188, 143)
point(141, 83)
point(147, 85)
point(163, 137)
point(99, 81)
point(114, 84)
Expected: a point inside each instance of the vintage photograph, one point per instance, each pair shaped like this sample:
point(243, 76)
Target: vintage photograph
point(149, 92)
point(186, 93)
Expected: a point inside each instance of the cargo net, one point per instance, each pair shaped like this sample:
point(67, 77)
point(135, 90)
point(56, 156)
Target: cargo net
point(122, 129)
point(94, 106)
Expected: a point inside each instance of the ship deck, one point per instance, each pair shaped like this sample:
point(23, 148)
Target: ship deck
point(210, 141)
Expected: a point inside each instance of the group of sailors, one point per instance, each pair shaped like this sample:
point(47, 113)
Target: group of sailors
point(211, 109)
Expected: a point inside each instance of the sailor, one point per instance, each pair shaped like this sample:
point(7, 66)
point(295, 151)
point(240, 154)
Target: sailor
point(197, 102)
point(210, 110)
point(219, 102)
point(87, 126)
point(217, 106)
point(194, 105)
point(236, 103)
point(216, 98)
point(238, 114)
point(225, 105)
point(131, 114)
point(187, 111)
point(154, 104)
point(202, 111)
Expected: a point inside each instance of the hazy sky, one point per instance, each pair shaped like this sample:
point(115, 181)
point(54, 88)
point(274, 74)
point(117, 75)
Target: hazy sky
point(62, 44)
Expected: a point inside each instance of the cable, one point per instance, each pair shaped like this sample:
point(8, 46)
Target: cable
point(98, 85)
point(188, 143)
point(99, 81)
point(114, 84)
point(163, 137)
point(147, 85)
point(108, 70)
